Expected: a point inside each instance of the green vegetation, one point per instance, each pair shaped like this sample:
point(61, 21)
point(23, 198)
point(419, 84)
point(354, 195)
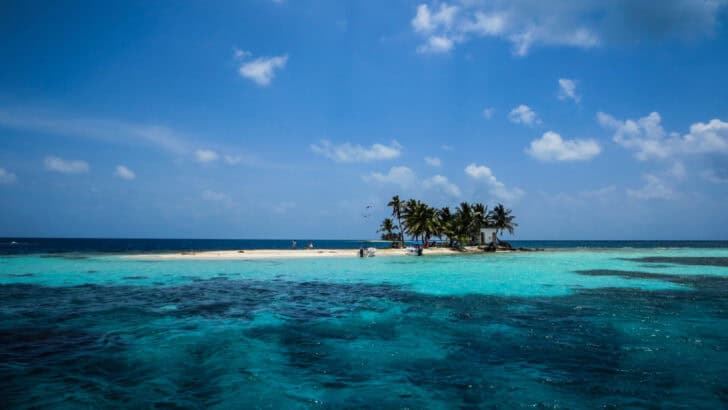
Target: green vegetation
point(459, 228)
point(387, 229)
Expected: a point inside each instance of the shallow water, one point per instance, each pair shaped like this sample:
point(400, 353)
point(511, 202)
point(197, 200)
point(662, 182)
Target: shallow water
point(569, 329)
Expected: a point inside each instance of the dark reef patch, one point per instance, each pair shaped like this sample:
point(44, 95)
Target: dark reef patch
point(705, 283)
point(683, 260)
point(364, 345)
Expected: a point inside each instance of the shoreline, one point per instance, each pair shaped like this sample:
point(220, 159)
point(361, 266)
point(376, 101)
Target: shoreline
point(256, 254)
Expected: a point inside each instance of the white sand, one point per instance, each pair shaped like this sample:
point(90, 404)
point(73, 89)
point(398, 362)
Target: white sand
point(287, 254)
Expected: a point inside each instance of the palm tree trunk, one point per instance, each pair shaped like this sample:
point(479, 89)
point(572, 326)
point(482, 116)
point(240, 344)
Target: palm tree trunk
point(401, 230)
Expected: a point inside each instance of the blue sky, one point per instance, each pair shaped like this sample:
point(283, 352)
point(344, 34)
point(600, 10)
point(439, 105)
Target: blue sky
point(278, 119)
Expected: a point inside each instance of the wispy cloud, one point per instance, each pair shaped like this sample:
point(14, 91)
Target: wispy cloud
point(260, 70)
point(205, 155)
point(551, 147)
point(523, 114)
point(713, 176)
point(7, 177)
point(99, 129)
point(654, 188)
point(401, 176)
point(433, 161)
point(583, 24)
point(65, 166)
point(495, 187)
point(160, 137)
point(443, 183)
point(567, 90)
point(233, 159)
point(436, 45)
point(488, 113)
point(406, 179)
point(356, 153)
point(123, 172)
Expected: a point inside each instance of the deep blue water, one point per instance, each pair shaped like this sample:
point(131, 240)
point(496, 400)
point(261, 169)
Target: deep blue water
point(584, 327)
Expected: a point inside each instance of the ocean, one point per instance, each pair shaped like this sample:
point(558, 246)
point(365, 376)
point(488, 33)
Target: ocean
point(606, 324)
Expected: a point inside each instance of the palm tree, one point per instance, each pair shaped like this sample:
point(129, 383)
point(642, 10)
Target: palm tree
point(420, 220)
point(410, 212)
point(445, 221)
point(481, 219)
point(503, 220)
point(387, 229)
point(396, 205)
point(461, 224)
point(408, 209)
point(430, 223)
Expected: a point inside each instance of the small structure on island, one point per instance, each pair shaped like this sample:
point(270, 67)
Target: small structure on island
point(488, 236)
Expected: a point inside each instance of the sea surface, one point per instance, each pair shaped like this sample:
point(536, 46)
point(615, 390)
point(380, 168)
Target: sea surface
point(579, 325)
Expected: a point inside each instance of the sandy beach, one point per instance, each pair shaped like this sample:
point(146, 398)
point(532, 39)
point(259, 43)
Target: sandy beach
point(290, 254)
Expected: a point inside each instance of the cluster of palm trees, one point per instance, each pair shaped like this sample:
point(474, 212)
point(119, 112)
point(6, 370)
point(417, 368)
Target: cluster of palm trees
point(461, 227)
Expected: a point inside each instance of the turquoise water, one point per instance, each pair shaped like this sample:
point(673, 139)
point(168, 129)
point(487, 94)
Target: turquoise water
point(582, 328)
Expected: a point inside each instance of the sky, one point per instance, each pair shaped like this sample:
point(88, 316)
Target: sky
point(300, 119)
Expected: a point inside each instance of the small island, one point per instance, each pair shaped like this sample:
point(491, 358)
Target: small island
point(414, 228)
point(469, 226)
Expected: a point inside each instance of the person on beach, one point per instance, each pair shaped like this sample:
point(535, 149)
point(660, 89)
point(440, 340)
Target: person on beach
point(293, 244)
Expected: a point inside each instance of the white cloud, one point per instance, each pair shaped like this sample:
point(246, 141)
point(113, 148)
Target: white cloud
point(495, 187)
point(523, 114)
point(356, 153)
point(433, 161)
point(205, 155)
point(646, 136)
point(7, 177)
point(241, 54)
point(551, 147)
point(63, 166)
point(436, 45)
point(262, 70)
point(707, 138)
point(425, 21)
point(422, 22)
point(567, 90)
point(402, 176)
point(124, 173)
point(483, 24)
point(488, 113)
point(446, 147)
point(442, 183)
point(583, 24)
point(654, 188)
point(649, 140)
